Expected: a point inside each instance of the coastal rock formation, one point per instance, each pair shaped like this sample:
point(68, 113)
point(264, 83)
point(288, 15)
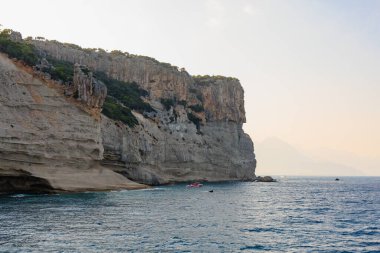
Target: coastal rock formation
point(166, 127)
point(47, 144)
point(265, 179)
point(222, 97)
point(161, 80)
point(88, 89)
point(157, 154)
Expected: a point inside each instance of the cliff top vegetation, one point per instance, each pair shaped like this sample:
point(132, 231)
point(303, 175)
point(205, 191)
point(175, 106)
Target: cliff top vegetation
point(122, 96)
point(202, 78)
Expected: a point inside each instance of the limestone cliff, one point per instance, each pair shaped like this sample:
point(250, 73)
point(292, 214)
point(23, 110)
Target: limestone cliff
point(192, 131)
point(161, 80)
point(87, 88)
point(47, 144)
point(157, 153)
point(223, 98)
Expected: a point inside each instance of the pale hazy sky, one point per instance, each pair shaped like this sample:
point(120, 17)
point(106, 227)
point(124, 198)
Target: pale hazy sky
point(310, 69)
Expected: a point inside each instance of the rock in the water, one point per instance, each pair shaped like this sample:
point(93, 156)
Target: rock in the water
point(265, 179)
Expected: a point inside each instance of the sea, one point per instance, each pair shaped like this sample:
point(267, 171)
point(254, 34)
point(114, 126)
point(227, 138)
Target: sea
point(295, 214)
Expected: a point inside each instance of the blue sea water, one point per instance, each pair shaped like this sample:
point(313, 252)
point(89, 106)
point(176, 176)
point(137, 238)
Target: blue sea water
point(296, 214)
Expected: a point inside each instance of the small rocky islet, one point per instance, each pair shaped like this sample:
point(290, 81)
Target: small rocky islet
point(76, 119)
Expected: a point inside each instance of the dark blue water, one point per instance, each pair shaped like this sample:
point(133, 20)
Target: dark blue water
point(293, 215)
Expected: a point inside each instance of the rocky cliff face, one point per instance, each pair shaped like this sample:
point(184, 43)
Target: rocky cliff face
point(222, 97)
point(193, 133)
point(169, 147)
point(88, 89)
point(161, 80)
point(157, 153)
point(47, 144)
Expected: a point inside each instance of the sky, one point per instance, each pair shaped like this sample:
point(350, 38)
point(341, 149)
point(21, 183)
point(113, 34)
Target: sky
point(310, 69)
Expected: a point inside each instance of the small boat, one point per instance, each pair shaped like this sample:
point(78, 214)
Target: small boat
point(194, 185)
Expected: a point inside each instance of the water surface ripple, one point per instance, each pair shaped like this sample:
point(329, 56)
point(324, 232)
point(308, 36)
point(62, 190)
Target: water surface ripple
point(293, 215)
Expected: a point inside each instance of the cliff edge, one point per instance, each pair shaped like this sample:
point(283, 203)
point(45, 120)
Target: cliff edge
point(117, 116)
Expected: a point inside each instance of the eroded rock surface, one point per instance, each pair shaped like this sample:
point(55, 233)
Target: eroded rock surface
point(87, 88)
point(196, 135)
point(222, 98)
point(170, 146)
point(157, 154)
point(161, 80)
point(47, 142)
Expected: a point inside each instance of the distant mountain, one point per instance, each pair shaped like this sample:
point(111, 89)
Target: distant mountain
point(370, 165)
point(277, 157)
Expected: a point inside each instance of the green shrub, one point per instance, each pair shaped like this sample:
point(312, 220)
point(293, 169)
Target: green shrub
point(89, 50)
point(206, 78)
point(168, 103)
point(197, 93)
point(85, 70)
point(117, 53)
point(62, 70)
point(197, 108)
point(19, 50)
point(127, 93)
point(26, 52)
point(73, 46)
point(200, 97)
point(114, 110)
point(182, 102)
point(195, 120)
